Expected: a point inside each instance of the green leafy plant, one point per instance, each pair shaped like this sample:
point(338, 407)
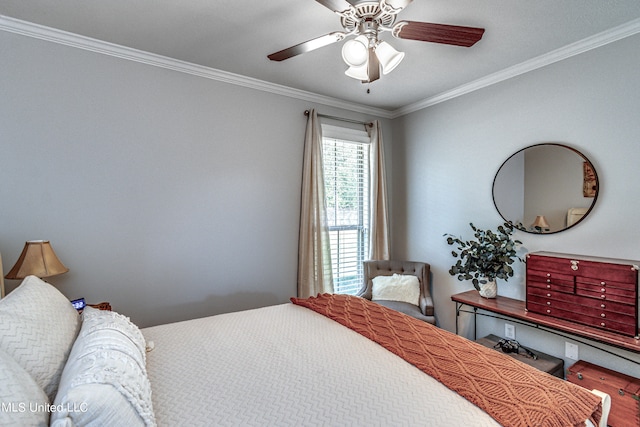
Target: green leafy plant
point(489, 257)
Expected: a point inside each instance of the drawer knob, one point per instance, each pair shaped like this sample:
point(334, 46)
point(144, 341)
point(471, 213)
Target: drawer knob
point(603, 296)
point(574, 265)
point(548, 280)
point(602, 324)
point(621, 392)
point(603, 305)
point(548, 295)
point(548, 311)
point(603, 290)
point(603, 315)
point(603, 283)
point(548, 286)
point(548, 302)
point(580, 375)
point(548, 274)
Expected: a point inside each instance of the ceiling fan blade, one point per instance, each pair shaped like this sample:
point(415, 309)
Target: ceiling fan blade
point(438, 33)
point(394, 6)
point(339, 6)
point(307, 46)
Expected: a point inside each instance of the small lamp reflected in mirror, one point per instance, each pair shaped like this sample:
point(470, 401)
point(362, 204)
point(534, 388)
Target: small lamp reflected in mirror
point(540, 224)
point(37, 259)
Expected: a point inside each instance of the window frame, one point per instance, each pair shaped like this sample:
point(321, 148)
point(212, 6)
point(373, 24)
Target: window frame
point(360, 138)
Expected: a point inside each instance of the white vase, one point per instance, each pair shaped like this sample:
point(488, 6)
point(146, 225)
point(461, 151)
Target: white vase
point(489, 289)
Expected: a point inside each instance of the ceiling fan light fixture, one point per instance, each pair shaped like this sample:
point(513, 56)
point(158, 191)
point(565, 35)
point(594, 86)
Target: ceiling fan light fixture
point(355, 52)
point(359, 73)
point(389, 57)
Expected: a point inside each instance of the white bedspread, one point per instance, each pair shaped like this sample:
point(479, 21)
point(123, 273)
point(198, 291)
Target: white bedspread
point(287, 365)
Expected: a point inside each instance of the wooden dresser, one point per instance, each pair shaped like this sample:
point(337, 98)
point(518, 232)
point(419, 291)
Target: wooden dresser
point(598, 292)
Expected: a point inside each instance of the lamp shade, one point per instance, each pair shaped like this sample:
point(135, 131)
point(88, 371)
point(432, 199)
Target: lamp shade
point(540, 222)
point(355, 52)
point(389, 57)
point(359, 73)
point(37, 259)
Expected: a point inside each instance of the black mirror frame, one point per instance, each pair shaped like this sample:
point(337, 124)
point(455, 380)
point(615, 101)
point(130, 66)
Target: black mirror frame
point(520, 226)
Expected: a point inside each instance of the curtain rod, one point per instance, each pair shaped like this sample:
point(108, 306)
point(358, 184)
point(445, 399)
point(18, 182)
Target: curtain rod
point(306, 113)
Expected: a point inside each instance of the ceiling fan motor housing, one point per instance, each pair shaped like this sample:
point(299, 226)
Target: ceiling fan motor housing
point(367, 12)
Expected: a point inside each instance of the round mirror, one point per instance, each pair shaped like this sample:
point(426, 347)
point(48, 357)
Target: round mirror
point(546, 188)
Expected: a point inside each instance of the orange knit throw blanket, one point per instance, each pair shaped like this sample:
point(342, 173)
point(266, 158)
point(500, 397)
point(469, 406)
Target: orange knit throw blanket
point(511, 392)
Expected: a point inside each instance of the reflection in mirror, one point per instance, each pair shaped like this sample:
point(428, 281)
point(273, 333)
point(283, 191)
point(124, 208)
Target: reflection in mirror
point(545, 187)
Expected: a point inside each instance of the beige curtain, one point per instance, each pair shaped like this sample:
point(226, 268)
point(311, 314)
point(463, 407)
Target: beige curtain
point(314, 249)
point(379, 225)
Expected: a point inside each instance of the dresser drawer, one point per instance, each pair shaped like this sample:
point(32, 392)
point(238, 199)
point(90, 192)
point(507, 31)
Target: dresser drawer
point(606, 293)
point(542, 306)
point(552, 294)
point(612, 284)
point(609, 321)
point(550, 264)
point(552, 281)
point(620, 273)
point(601, 317)
point(592, 303)
point(572, 266)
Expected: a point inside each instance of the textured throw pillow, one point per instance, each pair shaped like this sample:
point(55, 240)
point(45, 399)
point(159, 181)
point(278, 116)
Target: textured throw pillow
point(23, 401)
point(105, 380)
point(38, 326)
point(398, 287)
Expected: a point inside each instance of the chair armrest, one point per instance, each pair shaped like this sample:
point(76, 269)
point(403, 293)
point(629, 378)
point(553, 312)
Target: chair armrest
point(426, 305)
point(366, 291)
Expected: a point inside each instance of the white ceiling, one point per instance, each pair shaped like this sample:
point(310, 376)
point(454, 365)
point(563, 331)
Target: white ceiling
point(237, 35)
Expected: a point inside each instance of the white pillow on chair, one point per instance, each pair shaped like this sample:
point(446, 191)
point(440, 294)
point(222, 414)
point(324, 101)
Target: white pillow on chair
point(399, 287)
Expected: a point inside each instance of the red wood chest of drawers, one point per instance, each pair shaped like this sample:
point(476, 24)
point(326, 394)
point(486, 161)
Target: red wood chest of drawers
point(598, 292)
point(624, 391)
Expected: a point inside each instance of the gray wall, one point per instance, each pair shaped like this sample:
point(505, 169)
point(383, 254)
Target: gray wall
point(445, 158)
point(169, 195)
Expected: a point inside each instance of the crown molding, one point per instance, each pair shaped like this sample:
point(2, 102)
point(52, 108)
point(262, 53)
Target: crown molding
point(54, 35)
point(584, 45)
point(41, 32)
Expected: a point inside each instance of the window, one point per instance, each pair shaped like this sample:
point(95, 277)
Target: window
point(346, 175)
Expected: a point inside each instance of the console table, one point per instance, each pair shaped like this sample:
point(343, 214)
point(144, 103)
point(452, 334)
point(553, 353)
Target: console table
point(516, 309)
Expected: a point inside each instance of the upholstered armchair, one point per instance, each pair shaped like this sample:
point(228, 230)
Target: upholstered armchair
point(424, 309)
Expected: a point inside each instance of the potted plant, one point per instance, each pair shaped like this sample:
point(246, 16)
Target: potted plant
point(485, 259)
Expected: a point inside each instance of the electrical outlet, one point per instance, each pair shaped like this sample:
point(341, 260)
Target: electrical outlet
point(571, 350)
point(509, 331)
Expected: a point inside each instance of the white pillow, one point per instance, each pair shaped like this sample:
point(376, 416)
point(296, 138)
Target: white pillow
point(105, 380)
point(37, 328)
point(405, 288)
point(23, 401)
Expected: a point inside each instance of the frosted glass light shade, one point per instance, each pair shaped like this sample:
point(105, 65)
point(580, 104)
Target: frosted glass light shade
point(389, 57)
point(359, 73)
point(355, 52)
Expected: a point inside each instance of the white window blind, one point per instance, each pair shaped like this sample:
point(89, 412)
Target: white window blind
point(346, 175)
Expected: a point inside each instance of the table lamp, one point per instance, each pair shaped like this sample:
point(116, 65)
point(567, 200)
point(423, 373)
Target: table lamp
point(540, 224)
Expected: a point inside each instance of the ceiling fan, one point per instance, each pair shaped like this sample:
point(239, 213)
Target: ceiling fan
point(366, 20)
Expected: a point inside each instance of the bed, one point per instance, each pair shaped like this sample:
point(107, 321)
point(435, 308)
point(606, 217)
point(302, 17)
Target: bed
point(309, 362)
